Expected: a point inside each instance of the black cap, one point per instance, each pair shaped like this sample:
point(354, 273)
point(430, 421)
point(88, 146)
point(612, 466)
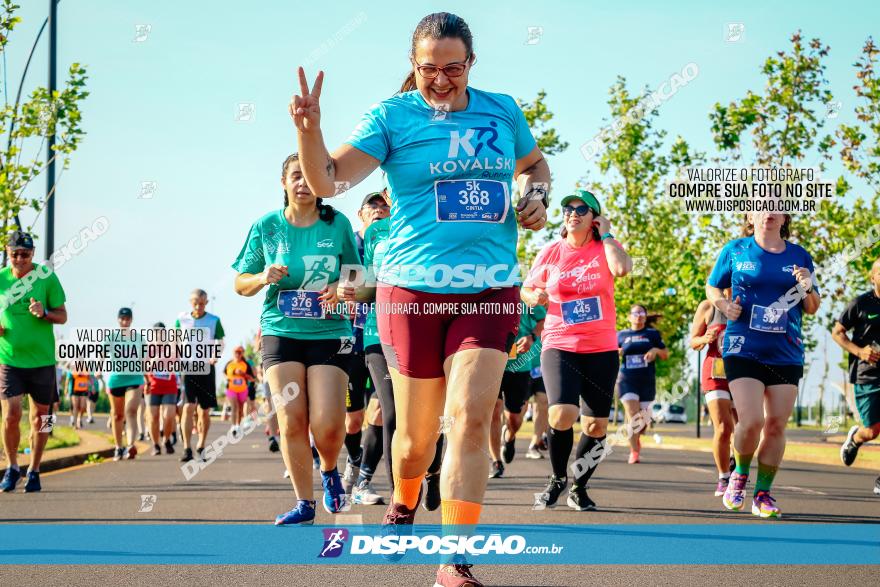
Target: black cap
point(18, 239)
point(123, 312)
point(157, 324)
point(372, 196)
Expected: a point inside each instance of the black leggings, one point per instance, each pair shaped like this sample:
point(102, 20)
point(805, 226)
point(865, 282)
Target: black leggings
point(378, 367)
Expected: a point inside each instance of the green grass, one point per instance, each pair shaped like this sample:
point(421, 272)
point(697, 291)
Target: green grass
point(62, 437)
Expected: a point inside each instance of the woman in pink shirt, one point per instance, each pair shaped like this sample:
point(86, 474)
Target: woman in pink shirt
point(574, 278)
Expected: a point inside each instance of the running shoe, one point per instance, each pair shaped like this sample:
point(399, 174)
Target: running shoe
point(398, 521)
point(534, 453)
point(91, 420)
point(200, 451)
point(157, 450)
point(169, 448)
point(497, 471)
point(119, 454)
point(877, 486)
point(131, 452)
point(273, 444)
point(364, 494)
point(33, 482)
point(286, 474)
point(350, 476)
point(764, 506)
point(529, 415)
point(236, 431)
point(141, 437)
point(633, 457)
point(10, 480)
point(578, 499)
point(456, 575)
point(553, 490)
point(509, 450)
point(187, 455)
point(734, 495)
point(335, 499)
point(432, 493)
point(849, 450)
point(303, 515)
point(723, 482)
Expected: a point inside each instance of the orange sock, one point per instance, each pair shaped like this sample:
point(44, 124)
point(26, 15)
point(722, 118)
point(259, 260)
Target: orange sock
point(406, 491)
point(460, 513)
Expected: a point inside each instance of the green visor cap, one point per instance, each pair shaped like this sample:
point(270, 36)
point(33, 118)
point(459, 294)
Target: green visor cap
point(588, 198)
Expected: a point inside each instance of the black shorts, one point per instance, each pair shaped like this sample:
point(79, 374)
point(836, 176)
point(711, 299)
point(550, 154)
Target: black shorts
point(93, 396)
point(572, 377)
point(740, 367)
point(252, 390)
point(79, 393)
point(121, 391)
point(328, 351)
point(37, 382)
point(514, 390)
point(378, 368)
point(536, 385)
point(359, 392)
point(201, 389)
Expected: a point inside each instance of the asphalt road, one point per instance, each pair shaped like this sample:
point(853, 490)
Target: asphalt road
point(245, 485)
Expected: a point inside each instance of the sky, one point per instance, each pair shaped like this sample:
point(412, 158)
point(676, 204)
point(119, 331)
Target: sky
point(168, 80)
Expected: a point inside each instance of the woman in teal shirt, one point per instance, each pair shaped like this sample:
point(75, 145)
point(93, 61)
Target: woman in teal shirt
point(296, 253)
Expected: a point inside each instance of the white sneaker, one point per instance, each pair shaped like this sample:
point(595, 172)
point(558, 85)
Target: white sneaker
point(534, 453)
point(286, 474)
point(364, 494)
point(350, 477)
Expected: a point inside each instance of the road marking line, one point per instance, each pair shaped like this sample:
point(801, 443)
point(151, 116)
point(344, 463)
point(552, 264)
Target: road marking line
point(802, 490)
point(68, 469)
point(697, 469)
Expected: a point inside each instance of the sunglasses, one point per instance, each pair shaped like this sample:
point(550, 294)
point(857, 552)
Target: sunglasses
point(21, 254)
point(450, 70)
point(581, 210)
point(376, 205)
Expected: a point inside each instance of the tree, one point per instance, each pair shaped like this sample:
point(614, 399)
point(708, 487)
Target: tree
point(30, 123)
point(661, 237)
point(538, 117)
point(787, 122)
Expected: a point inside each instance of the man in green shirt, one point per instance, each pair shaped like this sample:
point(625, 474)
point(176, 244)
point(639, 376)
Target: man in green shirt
point(514, 392)
point(32, 301)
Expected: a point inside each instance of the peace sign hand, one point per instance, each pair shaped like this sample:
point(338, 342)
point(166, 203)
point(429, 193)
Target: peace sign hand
point(305, 108)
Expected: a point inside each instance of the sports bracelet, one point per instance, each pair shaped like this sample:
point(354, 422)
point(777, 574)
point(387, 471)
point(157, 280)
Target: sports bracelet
point(607, 235)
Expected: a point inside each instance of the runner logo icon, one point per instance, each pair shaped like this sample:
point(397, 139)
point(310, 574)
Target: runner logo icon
point(334, 539)
point(736, 344)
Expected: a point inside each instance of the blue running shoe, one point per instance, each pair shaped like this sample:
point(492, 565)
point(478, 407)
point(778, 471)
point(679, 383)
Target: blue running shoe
point(303, 514)
point(33, 482)
point(10, 480)
point(335, 499)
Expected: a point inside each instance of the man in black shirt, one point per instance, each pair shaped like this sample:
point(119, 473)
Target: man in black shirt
point(862, 316)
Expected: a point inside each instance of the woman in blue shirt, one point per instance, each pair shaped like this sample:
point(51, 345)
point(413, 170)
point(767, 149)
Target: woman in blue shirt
point(763, 349)
point(450, 152)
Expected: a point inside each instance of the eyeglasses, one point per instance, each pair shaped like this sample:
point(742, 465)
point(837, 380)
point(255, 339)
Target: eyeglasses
point(449, 70)
point(637, 313)
point(581, 210)
point(21, 254)
point(376, 205)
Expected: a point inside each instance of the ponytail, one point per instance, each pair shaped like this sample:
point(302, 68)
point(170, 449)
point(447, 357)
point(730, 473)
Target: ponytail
point(326, 212)
point(409, 84)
